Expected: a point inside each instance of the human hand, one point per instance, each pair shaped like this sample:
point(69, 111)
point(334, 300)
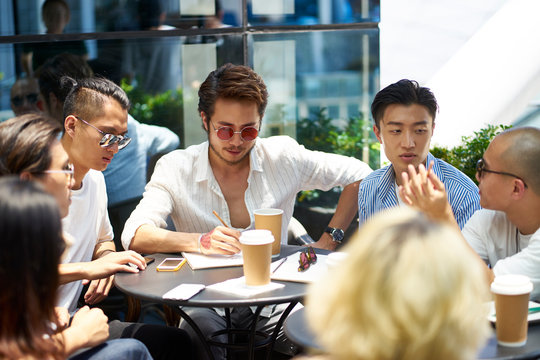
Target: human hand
point(62, 316)
point(114, 262)
point(92, 324)
point(221, 240)
point(424, 191)
point(325, 242)
point(98, 290)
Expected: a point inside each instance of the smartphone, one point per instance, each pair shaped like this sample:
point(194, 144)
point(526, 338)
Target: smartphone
point(171, 264)
point(149, 259)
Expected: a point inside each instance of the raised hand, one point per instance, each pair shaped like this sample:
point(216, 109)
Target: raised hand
point(424, 191)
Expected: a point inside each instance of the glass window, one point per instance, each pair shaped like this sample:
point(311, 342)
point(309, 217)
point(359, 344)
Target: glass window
point(319, 58)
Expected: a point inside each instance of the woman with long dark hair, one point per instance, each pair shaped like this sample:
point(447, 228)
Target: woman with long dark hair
point(30, 249)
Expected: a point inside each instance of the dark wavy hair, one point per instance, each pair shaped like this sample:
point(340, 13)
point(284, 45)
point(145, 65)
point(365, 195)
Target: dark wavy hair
point(404, 92)
point(30, 248)
point(235, 82)
point(25, 143)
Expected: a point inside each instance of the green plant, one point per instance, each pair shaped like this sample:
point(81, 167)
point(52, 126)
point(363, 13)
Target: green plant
point(319, 132)
point(472, 148)
point(164, 109)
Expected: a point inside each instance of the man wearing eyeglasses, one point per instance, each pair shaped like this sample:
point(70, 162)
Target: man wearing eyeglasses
point(404, 116)
point(506, 233)
point(25, 96)
point(234, 173)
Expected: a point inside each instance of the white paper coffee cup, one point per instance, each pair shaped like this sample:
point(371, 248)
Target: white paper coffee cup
point(257, 254)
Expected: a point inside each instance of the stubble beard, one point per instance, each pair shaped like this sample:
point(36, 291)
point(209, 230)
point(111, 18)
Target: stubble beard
point(229, 162)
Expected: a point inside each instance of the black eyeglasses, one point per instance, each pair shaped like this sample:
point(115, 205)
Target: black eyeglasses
point(481, 168)
point(30, 98)
point(109, 139)
point(249, 133)
point(307, 257)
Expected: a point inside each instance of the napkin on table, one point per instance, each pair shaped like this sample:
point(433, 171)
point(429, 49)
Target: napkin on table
point(238, 286)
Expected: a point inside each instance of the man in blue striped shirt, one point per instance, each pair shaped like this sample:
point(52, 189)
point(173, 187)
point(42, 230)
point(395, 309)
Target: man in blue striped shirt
point(404, 115)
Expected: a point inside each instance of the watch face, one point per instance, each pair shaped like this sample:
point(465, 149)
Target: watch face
point(338, 235)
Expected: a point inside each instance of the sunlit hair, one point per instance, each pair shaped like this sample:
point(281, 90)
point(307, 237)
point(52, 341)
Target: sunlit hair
point(25, 143)
point(87, 97)
point(30, 249)
point(409, 289)
point(522, 155)
point(404, 92)
point(233, 82)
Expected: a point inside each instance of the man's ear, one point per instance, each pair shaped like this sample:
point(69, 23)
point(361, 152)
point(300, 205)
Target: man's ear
point(377, 133)
point(204, 120)
point(519, 189)
point(69, 125)
point(25, 175)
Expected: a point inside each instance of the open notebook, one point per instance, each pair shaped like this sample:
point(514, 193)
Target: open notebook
point(200, 261)
point(288, 271)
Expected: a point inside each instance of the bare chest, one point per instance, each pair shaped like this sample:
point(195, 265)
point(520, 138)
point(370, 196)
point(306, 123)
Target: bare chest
point(234, 190)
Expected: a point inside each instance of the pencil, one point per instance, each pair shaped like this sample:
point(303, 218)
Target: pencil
point(219, 218)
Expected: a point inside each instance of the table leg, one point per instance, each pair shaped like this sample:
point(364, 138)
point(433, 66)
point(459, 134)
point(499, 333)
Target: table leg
point(252, 333)
point(229, 328)
point(198, 331)
point(279, 325)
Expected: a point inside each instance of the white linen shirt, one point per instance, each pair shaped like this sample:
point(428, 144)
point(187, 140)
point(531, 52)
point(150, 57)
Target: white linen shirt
point(183, 185)
point(497, 241)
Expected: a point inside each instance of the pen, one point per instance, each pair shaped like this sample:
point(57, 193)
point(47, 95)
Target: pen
point(219, 218)
point(280, 263)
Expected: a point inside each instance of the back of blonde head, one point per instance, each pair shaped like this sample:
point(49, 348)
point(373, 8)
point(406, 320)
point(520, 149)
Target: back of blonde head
point(410, 289)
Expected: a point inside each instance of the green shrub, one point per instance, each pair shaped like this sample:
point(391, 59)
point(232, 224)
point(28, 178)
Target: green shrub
point(164, 109)
point(319, 132)
point(472, 148)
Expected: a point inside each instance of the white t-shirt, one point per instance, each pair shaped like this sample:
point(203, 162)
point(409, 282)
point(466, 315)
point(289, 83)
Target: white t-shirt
point(88, 224)
point(183, 185)
point(496, 240)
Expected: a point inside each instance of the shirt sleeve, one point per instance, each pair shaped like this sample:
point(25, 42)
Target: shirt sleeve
point(475, 236)
point(469, 205)
point(158, 139)
point(156, 204)
point(105, 229)
point(526, 262)
point(362, 213)
point(323, 171)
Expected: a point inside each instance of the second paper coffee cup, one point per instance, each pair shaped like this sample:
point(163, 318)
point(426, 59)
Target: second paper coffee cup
point(511, 308)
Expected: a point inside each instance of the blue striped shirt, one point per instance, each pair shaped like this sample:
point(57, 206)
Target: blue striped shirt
point(378, 192)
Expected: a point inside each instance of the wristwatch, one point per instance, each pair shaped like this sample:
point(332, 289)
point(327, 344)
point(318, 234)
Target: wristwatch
point(337, 234)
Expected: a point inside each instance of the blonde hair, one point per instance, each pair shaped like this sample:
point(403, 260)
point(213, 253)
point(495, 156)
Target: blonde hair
point(409, 289)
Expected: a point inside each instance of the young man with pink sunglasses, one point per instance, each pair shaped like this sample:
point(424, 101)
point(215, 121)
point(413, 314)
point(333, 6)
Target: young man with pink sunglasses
point(234, 173)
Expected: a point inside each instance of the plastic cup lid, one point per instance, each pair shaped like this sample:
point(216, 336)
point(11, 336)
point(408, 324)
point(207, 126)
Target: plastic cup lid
point(511, 285)
point(256, 237)
point(268, 211)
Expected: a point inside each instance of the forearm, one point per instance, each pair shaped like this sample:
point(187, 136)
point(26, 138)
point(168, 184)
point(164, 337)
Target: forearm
point(346, 209)
point(150, 239)
point(73, 339)
point(104, 248)
point(71, 272)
